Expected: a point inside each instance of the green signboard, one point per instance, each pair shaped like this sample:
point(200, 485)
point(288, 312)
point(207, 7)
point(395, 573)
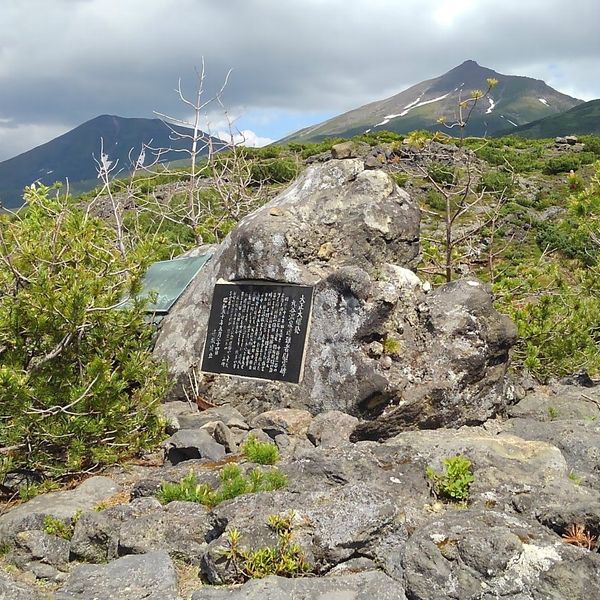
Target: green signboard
point(168, 279)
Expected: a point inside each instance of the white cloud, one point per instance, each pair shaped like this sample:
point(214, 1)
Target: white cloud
point(245, 137)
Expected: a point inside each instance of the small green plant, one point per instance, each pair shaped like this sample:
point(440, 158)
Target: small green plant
point(5, 548)
point(456, 480)
point(262, 453)
point(576, 479)
point(53, 526)
point(286, 558)
point(553, 413)
point(391, 345)
point(441, 173)
point(400, 178)
point(496, 181)
point(233, 483)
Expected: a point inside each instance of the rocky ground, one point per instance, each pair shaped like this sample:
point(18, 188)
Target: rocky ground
point(364, 513)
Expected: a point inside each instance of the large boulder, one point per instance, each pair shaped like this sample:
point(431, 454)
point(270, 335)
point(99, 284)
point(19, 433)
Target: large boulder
point(379, 347)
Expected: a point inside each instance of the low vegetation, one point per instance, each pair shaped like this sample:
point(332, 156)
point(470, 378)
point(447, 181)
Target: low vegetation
point(454, 483)
point(233, 483)
point(262, 453)
point(286, 558)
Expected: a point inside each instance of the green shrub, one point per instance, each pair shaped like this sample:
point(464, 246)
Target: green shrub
point(286, 558)
point(435, 200)
point(59, 528)
point(263, 453)
point(400, 178)
point(455, 481)
point(280, 170)
point(78, 386)
point(496, 181)
point(561, 164)
point(233, 483)
point(441, 173)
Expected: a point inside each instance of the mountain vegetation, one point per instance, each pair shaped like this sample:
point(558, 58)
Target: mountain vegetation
point(75, 156)
point(81, 388)
point(514, 101)
point(581, 119)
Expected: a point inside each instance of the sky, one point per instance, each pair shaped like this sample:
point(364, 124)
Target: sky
point(293, 63)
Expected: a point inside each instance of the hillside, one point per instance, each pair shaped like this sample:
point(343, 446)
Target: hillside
point(419, 456)
point(71, 156)
point(514, 101)
point(581, 119)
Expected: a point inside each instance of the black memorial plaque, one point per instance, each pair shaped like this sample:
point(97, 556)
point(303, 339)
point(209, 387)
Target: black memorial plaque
point(258, 330)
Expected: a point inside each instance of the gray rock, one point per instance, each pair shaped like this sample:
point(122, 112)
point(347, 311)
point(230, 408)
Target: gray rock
point(180, 528)
point(331, 526)
point(188, 444)
point(559, 402)
point(60, 505)
point(149, 576)
point(354, 586)
point(349, 150)
point(486, 555)
point(221, 434)
point(332, 428)
point(288, 421)
point(225, 413)
point(577, 439)
point(453, 346)
point(12, 590)
point(452, 371)
point(39, 546)
point(173, 411)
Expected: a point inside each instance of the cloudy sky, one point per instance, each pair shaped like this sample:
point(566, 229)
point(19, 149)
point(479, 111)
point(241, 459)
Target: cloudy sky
point(294, 62)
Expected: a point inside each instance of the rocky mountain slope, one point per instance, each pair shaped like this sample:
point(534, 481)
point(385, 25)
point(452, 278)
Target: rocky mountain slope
point(71, 156)
point(408, 464)
point(513, 102)
point(581, 119)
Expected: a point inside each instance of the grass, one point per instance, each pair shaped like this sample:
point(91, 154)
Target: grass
point(286, 558)
point(233, 483)
point(262, 453)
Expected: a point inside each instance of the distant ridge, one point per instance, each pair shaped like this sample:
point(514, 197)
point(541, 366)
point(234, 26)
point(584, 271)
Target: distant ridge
point(514, 101)
point(583, 118)
point(71, 155)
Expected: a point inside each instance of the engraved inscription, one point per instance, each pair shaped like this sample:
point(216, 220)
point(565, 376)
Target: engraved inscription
point(258, 329)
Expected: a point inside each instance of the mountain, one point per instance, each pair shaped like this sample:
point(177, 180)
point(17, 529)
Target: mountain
point(583, 118)
point(72, 155)
point(513, 102)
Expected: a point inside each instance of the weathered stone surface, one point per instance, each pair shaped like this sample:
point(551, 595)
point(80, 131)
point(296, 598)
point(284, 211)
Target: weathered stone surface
point(488, 555)
point(288, 421)
point(174, 411)
point(332, 428)
point(331, 526)
point(559, 402)
point(180, 528)
point(577, 439)
point(349, 149)
point(11, 590)
point(355, 586)
point(149, 576)
point(60, 505)
point(39, 546)
point(454, 351)
point(447, 350)
point(222, 435)
point(188, 444)
point(225, 413)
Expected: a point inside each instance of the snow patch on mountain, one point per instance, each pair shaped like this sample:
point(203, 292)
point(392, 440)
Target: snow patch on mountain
point(511, 122)
point(544, 101)
point(492, 104)
point(407, 110)
point(411, 104)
